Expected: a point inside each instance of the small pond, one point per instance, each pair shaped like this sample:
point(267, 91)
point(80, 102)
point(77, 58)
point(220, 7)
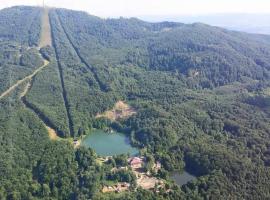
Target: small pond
point(109, 144)
point(182, 178)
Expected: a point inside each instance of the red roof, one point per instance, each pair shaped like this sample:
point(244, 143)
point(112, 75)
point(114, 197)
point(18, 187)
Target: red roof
point(135, 161)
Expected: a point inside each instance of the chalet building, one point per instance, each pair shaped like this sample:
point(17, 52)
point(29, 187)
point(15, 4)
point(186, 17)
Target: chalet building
point(136, 162)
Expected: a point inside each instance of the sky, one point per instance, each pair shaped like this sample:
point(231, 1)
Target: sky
point(136, 8)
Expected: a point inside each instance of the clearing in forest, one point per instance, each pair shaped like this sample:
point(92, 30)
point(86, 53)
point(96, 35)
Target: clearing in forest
point(52, 133)
point(121, 110)
point(46, 38)
point(148, 182)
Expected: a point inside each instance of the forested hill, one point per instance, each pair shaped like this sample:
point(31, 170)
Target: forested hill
point(217, 55)
point(201, 96)
point(21, 24)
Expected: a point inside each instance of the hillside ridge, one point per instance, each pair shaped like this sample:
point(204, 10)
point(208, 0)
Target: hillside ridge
point(191, 98)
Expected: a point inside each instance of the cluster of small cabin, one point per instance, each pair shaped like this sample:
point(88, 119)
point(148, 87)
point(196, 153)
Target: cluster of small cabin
point(119, 187)
point(144, 180)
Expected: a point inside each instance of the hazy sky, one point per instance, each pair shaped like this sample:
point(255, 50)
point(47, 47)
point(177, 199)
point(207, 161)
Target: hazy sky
point(115, 8)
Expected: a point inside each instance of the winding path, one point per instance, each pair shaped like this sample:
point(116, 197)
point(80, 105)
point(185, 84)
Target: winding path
point(52, 133)
point(45, 40)
point(20, 82)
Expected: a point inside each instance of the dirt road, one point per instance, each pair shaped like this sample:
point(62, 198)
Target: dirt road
point(44, 41)
point(52, 132)
point(27, 78)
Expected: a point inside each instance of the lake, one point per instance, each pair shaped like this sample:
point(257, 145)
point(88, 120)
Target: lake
point(182, 178)
point(109, 144)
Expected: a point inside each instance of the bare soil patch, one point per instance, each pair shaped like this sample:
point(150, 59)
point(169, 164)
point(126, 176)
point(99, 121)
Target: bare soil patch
point(121, 110)
point(52, 133)
point(149, 182)
point(26, 89)
point(144, 179)
point(119, 187)
point(46, 38)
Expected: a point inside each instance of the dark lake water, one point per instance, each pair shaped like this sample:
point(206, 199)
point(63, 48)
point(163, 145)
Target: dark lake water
point(182, 178)
point(109, 144)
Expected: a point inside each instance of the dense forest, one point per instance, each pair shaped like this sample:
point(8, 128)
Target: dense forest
point(202, 96)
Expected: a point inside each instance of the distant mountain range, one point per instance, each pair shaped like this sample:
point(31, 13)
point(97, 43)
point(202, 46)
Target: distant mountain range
point(251, 23)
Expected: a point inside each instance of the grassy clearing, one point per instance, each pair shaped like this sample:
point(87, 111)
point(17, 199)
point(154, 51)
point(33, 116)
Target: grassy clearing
point(52, 133)
point(46, 38)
